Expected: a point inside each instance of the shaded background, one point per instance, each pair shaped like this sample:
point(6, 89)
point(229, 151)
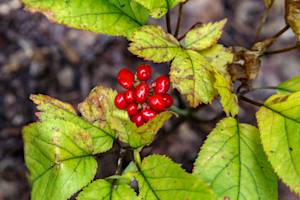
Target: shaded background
point(37, 56)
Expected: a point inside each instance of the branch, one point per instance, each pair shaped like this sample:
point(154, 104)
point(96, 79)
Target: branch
point(282, 50)
point(168, 21)
point(261, 23)
point(178, 20)
point(245, 99)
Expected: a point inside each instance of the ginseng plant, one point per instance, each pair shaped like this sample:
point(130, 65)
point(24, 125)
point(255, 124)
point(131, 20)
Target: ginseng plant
point(237, 160)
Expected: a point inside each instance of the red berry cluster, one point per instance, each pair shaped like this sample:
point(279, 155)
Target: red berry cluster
point(142, 101)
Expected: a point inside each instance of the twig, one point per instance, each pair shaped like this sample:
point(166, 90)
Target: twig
point(282, 50)
point(120, 161)
point(283, 30)
point(243, 98)
point(261, 23)
point(168, 21)
point(178, 20)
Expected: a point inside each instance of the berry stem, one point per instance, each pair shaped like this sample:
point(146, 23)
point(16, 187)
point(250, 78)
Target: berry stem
point(137, 157)
point(282, 50)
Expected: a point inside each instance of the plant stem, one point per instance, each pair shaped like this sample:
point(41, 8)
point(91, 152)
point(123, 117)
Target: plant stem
point(282, 50)
point(137, 157)
point(168, 21)
point(261, 23)
point(283, 30)
point(243, 98)
point(120, 161)
point(178, 20)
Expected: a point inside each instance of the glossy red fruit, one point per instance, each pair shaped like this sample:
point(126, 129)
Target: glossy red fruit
point(161, 85)
point(120, 101)
point(132, 109)
point(148, 114)
point(157, 103)
point(138, 120)
point(129, 96)
point(142, 92)
point(125, 78)
point(168, 100)
point(143, 72)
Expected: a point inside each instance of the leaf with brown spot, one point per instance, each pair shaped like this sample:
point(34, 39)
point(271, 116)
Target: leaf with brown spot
point(292, 16)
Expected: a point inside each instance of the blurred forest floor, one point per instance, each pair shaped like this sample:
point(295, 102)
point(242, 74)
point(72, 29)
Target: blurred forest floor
point(37, 56)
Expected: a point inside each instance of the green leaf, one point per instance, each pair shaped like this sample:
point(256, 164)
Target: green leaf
point(104, 190)
point(102, 138)
point(159, 8)
point(58, 155)
point(112, 17)
point(152, 43)
point(292, 16)
point(99, 108)
point(233, 163)
point(279, 125)
point(290, 86)
point(190, 74)
point(160, 178)
point(204, 36)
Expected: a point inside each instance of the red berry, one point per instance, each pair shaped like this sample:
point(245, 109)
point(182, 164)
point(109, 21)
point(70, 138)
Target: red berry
point(138, 120)
point(129, 96)
point(157, 103)
point(142, 92)
point(120, 101)
point(162, 85)
point(168, 100)
point(148, 114)
point(132, 109)
point(143, 72)
point(125, 78)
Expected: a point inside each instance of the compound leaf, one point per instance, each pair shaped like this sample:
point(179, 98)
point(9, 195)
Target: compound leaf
point(279, 125)
point(204, 36)
point(110, 17)
point(58, 155)
point(292, 16)
point(104, 190)
point(290, 86)
point(160, 178)
point(152, 43)
point(233, 163)
point(158, 8)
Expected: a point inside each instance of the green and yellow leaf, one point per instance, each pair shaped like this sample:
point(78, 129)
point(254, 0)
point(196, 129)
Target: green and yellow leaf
point(152, 43)
point(191, 75)
point(158, 8)
point(112, 17)
point(105, 190)
point(279, 125)
point(204, 36)
point(233, 163)
point(102, 138)
point(160, 178)
point(58, 155)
